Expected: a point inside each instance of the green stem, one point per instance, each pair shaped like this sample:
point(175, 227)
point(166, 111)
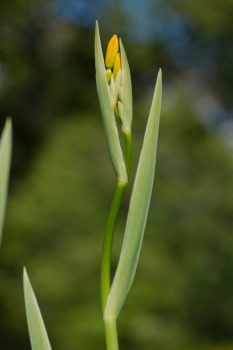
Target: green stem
point(110, 325)
point(110, 227)
point(108, 239)
point(111, 334)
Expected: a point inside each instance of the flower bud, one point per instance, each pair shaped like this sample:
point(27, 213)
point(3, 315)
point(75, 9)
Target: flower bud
point(117, 65)
point(112, 51)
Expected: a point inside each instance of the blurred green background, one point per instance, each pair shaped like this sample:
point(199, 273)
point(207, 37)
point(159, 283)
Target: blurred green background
point(62, 180)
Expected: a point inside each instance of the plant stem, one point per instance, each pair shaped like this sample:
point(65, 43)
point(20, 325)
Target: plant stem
point(111, 334)
point(110, 325)
point(108, 239)
point(110, 227)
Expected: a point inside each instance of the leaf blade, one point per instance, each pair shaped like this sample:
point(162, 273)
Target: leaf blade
point(5, 160)
point(37, 331)
point(138, 210)
point(126, 114)
point(107, 112)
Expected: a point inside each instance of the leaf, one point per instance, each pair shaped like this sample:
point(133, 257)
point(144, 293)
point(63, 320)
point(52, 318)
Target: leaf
point(126, 112)
point(138, 211)
point(38, 335)
point(108, 116)
point(5, 160)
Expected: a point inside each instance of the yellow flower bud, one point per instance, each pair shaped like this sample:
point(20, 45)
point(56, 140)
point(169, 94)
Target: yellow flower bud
point(117, 65)
point(112, 51)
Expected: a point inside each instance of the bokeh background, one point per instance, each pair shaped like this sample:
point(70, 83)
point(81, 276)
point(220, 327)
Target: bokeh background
point(62, 180)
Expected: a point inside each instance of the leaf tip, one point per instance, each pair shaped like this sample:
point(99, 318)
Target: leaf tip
point(24, 272)
point(96, 28)
point(25, 277)
point(7, 130)
point(8, 122)
point(160, 76)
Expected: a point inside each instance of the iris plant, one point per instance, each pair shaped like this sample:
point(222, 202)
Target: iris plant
point(114, 89)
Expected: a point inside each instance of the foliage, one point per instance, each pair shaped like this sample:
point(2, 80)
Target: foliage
point(187, 265)
point(38, 335)
point(46, 81)
point(5, 159)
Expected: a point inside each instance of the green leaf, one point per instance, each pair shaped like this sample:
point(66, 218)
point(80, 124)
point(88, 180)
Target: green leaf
point(108, 116)
point(5, 160)
point(38, 335)
point(126, 110)
point(138, 211)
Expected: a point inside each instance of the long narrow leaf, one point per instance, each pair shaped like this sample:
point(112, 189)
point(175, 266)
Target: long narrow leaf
point(108, 116)
point(38, 335)
point(138, 211)
point(5, 159)
point(126, 113)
